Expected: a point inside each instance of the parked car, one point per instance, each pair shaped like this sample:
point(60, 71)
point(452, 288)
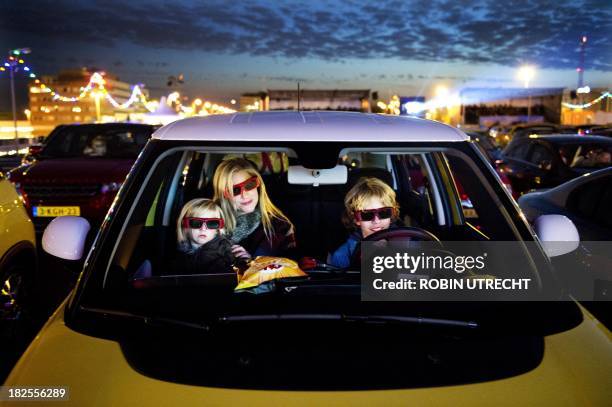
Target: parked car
point(538, 162)
point(78, 170)
point(17, 256)
point(487, 144)
point(587, 201)
point(522, 130)
point(600, 131)
point(163, 336)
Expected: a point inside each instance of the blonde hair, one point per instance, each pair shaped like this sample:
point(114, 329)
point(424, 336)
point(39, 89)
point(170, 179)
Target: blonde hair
point(365, 189)
point(190, 208)
point(222, 183)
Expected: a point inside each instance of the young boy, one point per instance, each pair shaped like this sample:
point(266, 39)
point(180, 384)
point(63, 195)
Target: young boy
point(370, 206)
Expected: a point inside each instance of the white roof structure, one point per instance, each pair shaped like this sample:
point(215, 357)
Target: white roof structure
point(162, 115)
point(308, 126)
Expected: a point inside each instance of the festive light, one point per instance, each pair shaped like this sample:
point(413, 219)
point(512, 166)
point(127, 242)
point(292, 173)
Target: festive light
point(584, 89)
point(587, 105)
point(96, 88)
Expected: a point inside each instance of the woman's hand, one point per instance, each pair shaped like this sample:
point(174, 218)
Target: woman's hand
point(240, 252)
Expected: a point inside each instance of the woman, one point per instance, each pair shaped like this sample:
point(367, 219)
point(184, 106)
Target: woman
point(255, 225)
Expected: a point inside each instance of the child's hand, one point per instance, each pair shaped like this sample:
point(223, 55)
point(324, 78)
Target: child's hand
point(240, 252)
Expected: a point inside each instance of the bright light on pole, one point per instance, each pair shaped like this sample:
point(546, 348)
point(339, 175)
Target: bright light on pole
point(13, 66)
point(526, 73)
point(441, 91)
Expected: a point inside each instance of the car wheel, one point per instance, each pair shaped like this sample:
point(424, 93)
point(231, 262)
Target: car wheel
point(16, 294)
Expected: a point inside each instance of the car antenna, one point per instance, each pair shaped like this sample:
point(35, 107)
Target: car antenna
point(298, 96)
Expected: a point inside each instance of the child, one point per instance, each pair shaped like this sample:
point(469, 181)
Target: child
point(202, 245)
point(370, 206)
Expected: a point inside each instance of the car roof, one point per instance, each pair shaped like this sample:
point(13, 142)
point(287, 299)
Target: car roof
point(106, 125)
point(308, 126)
point(572, 138)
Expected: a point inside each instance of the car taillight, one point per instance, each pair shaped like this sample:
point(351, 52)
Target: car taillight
point(506, 181)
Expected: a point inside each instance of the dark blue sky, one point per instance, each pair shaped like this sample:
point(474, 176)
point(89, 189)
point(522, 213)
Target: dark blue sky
point(225, 48)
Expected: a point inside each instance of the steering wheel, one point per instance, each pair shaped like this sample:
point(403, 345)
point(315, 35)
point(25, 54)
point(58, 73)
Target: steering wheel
point(397, 234)
point(402, 233)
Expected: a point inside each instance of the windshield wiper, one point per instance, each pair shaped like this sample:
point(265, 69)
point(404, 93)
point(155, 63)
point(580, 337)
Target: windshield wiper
point(375, 319)
point(147, 320)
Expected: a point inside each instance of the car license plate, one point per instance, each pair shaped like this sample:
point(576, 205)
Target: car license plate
point(54, 211)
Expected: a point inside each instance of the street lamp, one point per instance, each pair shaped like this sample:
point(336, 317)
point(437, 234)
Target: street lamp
point(526, 74)
point(13, 66)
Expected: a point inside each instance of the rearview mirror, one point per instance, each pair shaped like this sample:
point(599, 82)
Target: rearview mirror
point(558, 234)
point(304, 176)
point(65, 237)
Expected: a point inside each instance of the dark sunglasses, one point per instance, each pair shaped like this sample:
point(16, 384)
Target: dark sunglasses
point(368, 215)
point(246, 185)
point(196, 223)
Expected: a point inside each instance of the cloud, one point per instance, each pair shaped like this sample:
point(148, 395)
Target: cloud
point(542, 32)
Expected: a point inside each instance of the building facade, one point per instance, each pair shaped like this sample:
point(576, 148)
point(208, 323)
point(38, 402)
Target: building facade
point(48, 110)
point(593, 113)
point(320, 99)
point(485, 106)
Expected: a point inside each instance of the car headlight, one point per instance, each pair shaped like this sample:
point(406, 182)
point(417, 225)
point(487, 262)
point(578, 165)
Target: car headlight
point(110, 187)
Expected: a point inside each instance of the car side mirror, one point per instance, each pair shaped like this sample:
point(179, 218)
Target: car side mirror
point(65, 237)
point(558, 234)
point(32, 154)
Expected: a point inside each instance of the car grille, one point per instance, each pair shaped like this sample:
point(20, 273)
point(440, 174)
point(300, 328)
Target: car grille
point(60, 192)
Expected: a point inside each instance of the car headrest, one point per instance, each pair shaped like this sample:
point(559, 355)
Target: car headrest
point(375, 172)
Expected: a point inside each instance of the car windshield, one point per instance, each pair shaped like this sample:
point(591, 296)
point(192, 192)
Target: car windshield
point(96, 142)
point(158, 251)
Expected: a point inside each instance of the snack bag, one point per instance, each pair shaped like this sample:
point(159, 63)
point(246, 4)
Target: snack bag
point(265, 268)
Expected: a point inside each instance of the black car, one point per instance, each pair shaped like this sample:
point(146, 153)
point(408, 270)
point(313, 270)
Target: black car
point(486, 144)
point(585, 200)
point(537, 162)
point(600, 131)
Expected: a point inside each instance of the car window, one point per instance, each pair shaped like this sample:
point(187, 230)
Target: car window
point(149, 243)
point(519, 151)
point(592, 201)
point(540, 155)
point(75, 142)
point(592, 156)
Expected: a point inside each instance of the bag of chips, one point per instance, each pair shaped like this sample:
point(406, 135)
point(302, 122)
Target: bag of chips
point(263, 270)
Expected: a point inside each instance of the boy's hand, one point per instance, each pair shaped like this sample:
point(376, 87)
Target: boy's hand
point(240, 252)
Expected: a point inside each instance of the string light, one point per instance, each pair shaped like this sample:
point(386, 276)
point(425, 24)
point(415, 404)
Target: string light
point(587, 105)
point(96, 87)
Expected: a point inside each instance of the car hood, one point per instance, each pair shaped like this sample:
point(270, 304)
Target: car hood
point(73, 170)
point(575, 370)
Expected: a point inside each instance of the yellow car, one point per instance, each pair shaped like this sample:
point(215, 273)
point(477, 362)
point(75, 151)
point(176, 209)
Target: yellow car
point(17, 253)
point(142, 329)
